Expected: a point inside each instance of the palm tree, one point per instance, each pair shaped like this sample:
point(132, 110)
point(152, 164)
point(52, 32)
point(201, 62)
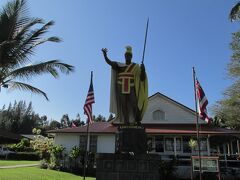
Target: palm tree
point(235, 12)
point(18, 41)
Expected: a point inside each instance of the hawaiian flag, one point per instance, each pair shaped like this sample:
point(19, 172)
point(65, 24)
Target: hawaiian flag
point(202, 102)
point(73, 125)
point(89, 101)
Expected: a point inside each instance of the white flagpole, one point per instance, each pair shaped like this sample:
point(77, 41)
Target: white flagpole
point(197, 126)
point(86, 151)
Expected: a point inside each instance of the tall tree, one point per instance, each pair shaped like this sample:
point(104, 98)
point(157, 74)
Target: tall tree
point(99, 118)
point(65, 121)
point(227, 109)
point(19, 118)
point(18, 41)
point(54, 124)
point(235, 12)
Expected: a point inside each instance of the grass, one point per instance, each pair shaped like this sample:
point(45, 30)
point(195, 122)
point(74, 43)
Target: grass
point(12, 163)
point(36, 173)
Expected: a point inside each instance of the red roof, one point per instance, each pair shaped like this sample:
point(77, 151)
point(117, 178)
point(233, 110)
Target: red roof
point(96, 127)
point(109, 128)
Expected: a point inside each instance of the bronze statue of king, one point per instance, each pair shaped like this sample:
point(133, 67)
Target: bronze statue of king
point(129, 89)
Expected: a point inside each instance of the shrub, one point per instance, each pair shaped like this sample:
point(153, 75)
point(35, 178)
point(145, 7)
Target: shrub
point(42, 145)
point(22, 146)
point(32, 156)
point(43, 164)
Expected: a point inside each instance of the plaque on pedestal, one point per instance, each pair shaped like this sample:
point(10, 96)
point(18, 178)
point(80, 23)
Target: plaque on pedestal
point(131, 139)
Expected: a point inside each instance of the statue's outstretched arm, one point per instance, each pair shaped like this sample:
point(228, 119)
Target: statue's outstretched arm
point(111, 63)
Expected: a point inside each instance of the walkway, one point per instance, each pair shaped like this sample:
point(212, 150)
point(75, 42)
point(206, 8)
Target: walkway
point(18, 166)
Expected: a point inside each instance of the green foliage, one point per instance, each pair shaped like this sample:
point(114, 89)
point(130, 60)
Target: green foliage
point(42, 145)
point(22, 146)
point(99, 118)
point(65, 121)
point(227, 109)
point(20, 35)
point(19, 117)
point(75, 152)
point(43, 164)
point(110, 118)
point(235, 12)
point(56, 150)
point(192, 143)
point(55, 156)
point(36, 173)
point(54, 125)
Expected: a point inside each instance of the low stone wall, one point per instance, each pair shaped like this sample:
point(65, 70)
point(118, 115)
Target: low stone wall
point(127, 167)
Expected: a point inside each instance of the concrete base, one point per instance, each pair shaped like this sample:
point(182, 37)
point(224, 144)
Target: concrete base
point(127, 167)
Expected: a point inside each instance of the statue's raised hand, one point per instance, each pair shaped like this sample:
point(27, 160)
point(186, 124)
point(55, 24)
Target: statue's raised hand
point(104, 50)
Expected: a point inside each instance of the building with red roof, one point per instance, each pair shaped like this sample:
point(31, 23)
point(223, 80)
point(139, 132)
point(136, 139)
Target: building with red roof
point(169, 126)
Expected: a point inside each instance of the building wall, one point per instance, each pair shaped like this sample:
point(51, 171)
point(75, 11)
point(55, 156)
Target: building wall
point(106, 143)
point(67, 140)
point(174, 112)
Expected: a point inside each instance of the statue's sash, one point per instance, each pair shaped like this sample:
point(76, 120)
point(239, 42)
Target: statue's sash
point(126, 79)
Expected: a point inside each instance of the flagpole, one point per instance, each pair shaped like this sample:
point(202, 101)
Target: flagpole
point(197, 125)
point(145, 41)
point(86, 151)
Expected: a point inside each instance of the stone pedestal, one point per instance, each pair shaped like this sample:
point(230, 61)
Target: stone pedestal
point(131, 139)
point(127, 167)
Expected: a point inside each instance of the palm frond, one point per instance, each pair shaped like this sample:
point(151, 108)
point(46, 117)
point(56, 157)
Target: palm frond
point(41, 68)
point(235, 13)
point(12, 16)
point(13, 85)
point(30, 41)
point(26, 27)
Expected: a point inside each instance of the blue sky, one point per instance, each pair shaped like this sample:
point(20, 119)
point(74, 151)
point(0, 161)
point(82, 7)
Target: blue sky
point(182, 34)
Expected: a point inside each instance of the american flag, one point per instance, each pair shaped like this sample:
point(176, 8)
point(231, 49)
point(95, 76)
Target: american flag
point(89, 101)
point(202, 102)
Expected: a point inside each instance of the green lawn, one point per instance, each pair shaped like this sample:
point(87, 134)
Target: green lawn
point(35, 173)
point(12, 163)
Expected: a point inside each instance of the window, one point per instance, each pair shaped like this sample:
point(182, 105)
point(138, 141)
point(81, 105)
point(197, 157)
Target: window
point(203, 144)
point(158, 115)
point(178, 144)
point(159, 144)
point(169, 144)
point(93, 143)
point(82, 142)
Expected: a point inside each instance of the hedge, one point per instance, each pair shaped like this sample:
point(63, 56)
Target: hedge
point(32, 156)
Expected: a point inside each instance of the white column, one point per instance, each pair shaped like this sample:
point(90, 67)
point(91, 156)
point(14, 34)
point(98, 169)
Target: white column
point(228, 149)
point(175, 146)
point(238, 147)
point(208, 146)
point(231, 147)
point(218, 149)
point(88, 142)
point(154, 143)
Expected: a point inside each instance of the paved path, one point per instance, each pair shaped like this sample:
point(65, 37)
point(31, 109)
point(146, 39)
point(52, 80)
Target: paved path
point(18, 166)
